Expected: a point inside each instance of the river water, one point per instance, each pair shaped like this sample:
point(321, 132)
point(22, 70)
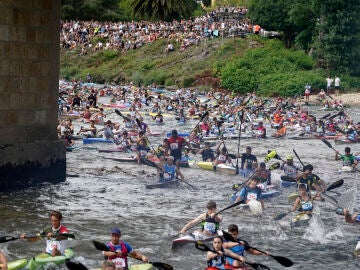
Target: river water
point(107, 194)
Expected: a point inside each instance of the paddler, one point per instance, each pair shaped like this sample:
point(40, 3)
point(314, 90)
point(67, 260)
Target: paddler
point(310, 179)
point(238, 247)
point(169, 170)
point(348, 159)
point(120, 250)
point(289, 168)
point(210, 222)
point(218, 259)
point(248, 162)
point(250, 192)
point(55, 244)
point(304, 200)
point(175, 144)
point(3, 261)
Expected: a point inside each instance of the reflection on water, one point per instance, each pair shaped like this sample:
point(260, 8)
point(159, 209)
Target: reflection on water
point(108, 194)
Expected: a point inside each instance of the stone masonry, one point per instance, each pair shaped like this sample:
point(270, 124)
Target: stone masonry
point(30, 152)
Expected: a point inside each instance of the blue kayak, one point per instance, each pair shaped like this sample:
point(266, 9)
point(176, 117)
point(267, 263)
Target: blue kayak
point(97, 140)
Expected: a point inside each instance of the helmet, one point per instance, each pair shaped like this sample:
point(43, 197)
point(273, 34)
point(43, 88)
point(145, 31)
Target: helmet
point(289, 157)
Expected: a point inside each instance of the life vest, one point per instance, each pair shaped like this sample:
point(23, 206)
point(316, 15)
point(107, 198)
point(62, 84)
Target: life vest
point(120, 261)
point(210, 224)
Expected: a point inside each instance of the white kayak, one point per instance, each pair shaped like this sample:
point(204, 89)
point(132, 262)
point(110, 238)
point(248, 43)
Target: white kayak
point(191, 238)
point(357, 248)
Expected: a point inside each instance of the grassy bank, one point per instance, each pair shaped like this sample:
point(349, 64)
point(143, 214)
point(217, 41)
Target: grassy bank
point(236, 64)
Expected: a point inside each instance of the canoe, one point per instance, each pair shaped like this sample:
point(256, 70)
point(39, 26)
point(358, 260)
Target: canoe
point(163, 184)
point(17, 264)
point(301, 219)
point(97, 140)
point(191, 238)
point(39, 261)
point(357, 248)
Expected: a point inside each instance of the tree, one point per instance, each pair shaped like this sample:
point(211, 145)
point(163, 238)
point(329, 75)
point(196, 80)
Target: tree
point(337, 44)
point(163, 9)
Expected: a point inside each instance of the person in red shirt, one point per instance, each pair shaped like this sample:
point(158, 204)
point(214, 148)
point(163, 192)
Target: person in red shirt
point(175, 144)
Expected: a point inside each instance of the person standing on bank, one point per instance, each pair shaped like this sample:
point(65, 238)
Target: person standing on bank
point(337, 85)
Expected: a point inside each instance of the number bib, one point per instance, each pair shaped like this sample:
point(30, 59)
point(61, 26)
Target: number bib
point(119, 263)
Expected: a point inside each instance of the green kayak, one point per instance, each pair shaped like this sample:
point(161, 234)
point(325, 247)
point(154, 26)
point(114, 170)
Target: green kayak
point(44, 258)
point(18, 264)
point(143, 266)
point(39, 261)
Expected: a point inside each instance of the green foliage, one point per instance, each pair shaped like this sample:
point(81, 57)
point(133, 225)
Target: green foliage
point(163, 10)
point(270, 69)
point(242, 65)
point(103, 10)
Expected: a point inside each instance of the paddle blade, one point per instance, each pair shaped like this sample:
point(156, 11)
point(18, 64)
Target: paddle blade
point(7, 238)
point(100, 246)
point(74, 265)
point(325, 116)
point(336, 184)
point(201, 246)
point(283, 260)
point(287, 178)
point(328, 144)
point(269, 156)
point(227, 236)
point(138, 123)
point(204, 115)
point(162, 266)
point(274, 166)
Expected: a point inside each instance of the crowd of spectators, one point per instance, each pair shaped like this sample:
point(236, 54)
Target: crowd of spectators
point(122, 36)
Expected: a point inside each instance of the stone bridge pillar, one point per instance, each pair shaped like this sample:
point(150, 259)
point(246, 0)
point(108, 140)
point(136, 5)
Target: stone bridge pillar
point(30, 152)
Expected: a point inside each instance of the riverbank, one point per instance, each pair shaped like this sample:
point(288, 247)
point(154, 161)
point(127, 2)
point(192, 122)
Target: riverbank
point(347, 99)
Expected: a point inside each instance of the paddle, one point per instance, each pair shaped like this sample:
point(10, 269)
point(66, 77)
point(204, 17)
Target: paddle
point(201, 246)
point(238, 146)
point(328, 144)
point(281, 215)
point(201, 118)
point(282, 260)
point(287, 178)
point(302, 164)
point(153, 164)
point(219, 212)
point(160, 265)
point(8, 238)
point(72, 264)
point(325, 116)
point(141, 128)
point(123, 116)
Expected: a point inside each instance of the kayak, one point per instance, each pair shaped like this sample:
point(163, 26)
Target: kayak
point(132, 159)
point(97, 140)
point(163, 184)
point(18, 264)
point(191, 238)
point(115, 150)
point(254, 206)
point(357, 248)
point(39, 261)
point(347, 169)
point(301, 219)
point(219, 168)
point(346, 141)
point(230, 267)
point(143, 266)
